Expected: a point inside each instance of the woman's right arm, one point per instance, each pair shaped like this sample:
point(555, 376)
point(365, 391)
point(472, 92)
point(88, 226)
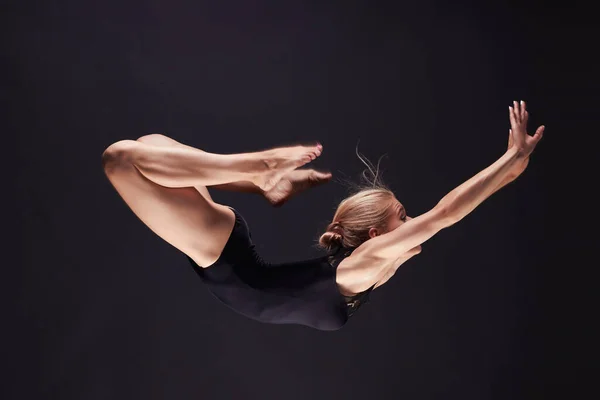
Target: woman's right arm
point(462, 200)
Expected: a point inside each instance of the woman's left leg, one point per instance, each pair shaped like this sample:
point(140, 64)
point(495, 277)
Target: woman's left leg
point(157, 183)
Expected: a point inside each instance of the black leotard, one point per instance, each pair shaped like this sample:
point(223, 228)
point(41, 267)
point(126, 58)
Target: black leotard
point(303, 292)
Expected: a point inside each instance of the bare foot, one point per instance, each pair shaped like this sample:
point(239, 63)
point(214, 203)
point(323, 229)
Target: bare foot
point(281, 161)
point(293, 183)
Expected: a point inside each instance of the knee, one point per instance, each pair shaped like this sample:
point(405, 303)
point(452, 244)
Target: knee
point(117, 155)
point(154, 138)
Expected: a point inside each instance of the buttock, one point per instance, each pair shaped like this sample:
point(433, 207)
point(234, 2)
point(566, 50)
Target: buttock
point(239, 247)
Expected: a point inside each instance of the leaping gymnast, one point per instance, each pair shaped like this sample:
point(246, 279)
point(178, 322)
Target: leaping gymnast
point(165, 184)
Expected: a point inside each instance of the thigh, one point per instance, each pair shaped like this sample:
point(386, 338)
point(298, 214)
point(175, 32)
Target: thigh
point(157, 139)
point(182, 217)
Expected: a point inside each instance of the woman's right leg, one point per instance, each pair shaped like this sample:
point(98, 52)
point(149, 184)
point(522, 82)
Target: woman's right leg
point(291, 184)
point(186, 166)
point(156, 183)
point(157, 139)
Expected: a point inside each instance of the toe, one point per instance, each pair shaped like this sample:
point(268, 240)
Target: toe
point(319, 177)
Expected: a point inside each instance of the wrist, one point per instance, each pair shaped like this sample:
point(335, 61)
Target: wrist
point(523, 164)
point(518, 169)
point(517, 154)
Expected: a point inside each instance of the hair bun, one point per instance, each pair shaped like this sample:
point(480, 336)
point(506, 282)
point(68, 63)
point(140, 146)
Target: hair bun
point(329, 240)
point(333, 237)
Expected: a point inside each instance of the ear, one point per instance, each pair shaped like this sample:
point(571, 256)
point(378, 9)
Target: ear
point(373, 232)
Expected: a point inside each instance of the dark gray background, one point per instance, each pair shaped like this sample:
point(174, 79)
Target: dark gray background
point(98, 307)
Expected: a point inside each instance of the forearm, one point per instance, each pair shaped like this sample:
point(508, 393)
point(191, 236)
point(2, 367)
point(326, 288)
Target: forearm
point(466, 197)
point(508, 179)
point(514, 174)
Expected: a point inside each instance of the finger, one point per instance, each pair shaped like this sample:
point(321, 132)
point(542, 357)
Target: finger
point(511, 115)
point(539, 133)
point(517, 111)
point(510, 138)
point(526, 117)
point(523, 110)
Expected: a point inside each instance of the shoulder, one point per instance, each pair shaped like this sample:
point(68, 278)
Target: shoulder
point(359, 272)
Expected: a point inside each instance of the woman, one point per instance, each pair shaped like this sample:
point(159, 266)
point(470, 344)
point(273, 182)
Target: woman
point(165, 184)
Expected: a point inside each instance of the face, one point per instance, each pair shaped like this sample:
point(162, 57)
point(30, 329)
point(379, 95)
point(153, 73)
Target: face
point(397, 217)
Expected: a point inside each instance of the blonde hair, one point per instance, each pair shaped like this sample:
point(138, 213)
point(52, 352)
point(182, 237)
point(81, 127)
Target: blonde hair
point(369, 207)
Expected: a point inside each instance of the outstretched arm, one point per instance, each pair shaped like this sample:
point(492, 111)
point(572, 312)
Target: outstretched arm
point(466, 197)
point(462, 200)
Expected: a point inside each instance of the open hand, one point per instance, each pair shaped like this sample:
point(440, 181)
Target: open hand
point(519, 138)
